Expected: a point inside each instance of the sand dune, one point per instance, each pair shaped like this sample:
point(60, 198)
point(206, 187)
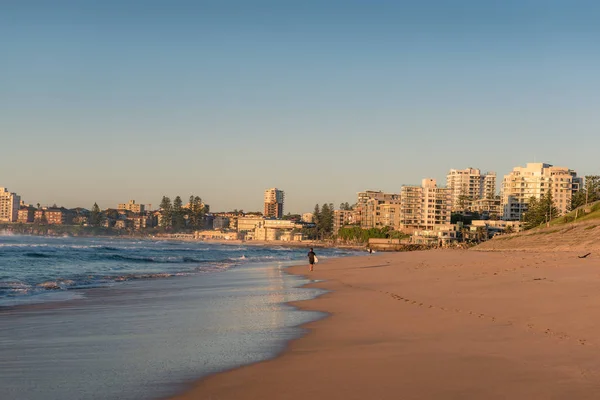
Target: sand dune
point(583, 236)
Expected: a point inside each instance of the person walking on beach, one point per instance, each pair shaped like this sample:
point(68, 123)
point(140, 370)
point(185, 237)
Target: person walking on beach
point(311, 258)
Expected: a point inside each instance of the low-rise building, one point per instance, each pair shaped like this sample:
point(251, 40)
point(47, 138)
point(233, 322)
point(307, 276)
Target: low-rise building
point(215, 234)
point(440, 235)
point(132, 206)
point(220, 222)
point(55, 216)
point(308, 218)
point(142, 221)
point(248, 223)
point(26, 215)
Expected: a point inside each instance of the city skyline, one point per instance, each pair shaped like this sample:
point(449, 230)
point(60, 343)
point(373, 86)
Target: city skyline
point(117, 101)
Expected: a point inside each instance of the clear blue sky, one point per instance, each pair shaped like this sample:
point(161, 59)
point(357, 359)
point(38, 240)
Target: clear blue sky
point(113, 100)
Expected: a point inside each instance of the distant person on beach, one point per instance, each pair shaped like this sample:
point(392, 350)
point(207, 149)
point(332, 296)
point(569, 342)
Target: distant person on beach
point(311, 258)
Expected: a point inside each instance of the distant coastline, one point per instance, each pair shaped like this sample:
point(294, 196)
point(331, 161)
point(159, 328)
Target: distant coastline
point(88, 231)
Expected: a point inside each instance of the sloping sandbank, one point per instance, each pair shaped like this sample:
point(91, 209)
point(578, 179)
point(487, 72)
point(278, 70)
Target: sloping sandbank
point(441, 324)
point(581, 236)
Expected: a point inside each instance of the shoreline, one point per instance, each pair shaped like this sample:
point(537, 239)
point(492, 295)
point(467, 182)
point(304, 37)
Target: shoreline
point(478, 324)
point(290, 244)
point(244, 319)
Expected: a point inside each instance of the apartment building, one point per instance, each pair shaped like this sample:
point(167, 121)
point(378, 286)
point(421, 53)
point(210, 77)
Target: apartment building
point(54, 216)
point(389, 215)
point(274, 203)
point(340, 219)
point(26, 215)
point(536, 180)
point(469, 185)
point(367, 212)
point(424, 207)
point(9, 206)
point(132, 206)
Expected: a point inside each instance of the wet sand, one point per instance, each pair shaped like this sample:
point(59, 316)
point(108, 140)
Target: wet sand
point(443, 324)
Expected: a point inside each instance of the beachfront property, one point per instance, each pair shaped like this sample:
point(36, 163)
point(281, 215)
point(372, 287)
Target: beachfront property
point(9, 205)
point(468, 186)
point(424, 207)
point(277, 229)
point(132, 206)
point(265, 229)
point(536, 180)
point(440, 235)
point(248, 223)
point(274, 203)
point(215, 235)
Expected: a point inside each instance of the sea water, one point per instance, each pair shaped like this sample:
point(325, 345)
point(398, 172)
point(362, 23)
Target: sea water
point(89, 318)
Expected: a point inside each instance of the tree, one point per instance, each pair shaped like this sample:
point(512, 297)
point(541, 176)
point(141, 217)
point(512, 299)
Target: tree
point(540, 211)
point(96, 217)
point(589, 193)
point(178, 214)
point(196, 212)
point(345, 206)
point(316, 214)
point(166, 212)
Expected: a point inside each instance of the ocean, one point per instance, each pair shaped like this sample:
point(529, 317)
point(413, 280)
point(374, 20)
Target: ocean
point(97, 318)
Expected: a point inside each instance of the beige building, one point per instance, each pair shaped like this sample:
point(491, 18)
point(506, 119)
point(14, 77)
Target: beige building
point(274, 203)
point(389, 215)
point(367, 212)
point(440, 235)
point(248, 223)
point(536, 180)
point(424, 207)
point(9, 206)
point(26, 214)
point(309, 218)
point(132, 206)
point(277, 230)
point(340, 219)
point(469, 185)
point(215, 234)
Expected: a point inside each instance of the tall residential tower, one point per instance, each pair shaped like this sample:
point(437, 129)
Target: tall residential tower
point(470, 185)
point(9, 205)
point(274, 203)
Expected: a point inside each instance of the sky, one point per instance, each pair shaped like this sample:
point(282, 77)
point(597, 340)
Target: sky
point(107, 101)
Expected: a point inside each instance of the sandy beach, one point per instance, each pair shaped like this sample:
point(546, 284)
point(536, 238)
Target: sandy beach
point(441, 324)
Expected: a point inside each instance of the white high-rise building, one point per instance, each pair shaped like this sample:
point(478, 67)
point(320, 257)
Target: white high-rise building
point(274, 203)
point(425, 206)
point(469, 185)
point(9, 206)
point(536, 180)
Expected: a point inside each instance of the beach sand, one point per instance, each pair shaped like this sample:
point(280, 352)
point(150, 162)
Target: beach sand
point(441, 324)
